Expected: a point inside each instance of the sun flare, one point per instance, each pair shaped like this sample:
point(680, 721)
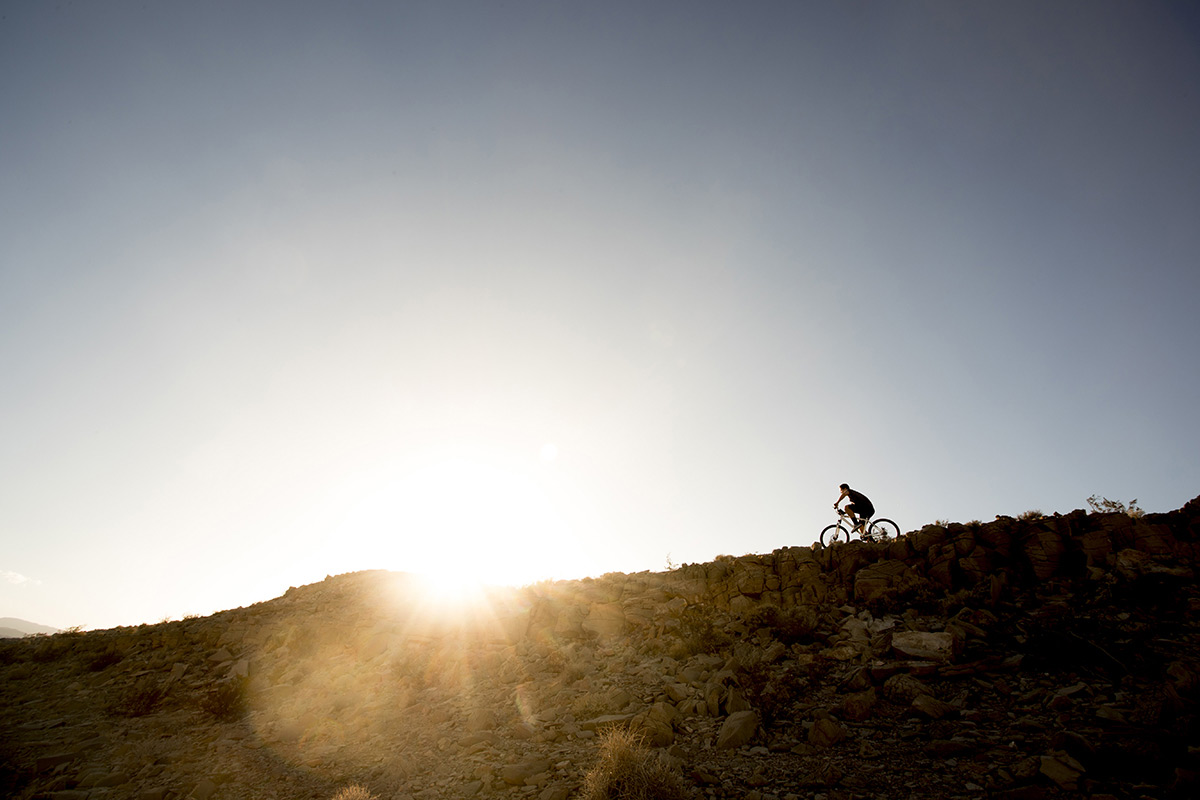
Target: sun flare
point(451, 591)
point(462, 522)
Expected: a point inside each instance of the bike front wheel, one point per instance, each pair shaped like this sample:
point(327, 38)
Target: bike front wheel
point(882, 529)
point(834, 533)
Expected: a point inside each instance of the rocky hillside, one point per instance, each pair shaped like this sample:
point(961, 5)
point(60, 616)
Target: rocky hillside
point(1020, 659)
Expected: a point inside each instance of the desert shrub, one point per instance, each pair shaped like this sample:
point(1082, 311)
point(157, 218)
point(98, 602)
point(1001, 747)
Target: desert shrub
point(788, 626)
point(11, 651)
point(227, 700)
point(589, 706)
point(698, 632)
point(773, 691)
point(354, 792)
point(629, 770)
point(104, 659)
point(412, 665)
point(1029, 516)
point(1102, 505)
point(569, 664)
point(54, 647)
point(13, 778)
point(139, 699)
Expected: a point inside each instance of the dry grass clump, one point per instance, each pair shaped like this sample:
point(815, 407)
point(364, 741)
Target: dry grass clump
point(104, 659)
point(790, 626)
point(354, 792)
point(629, 770)
point(589, 706)
point(52, 648)
point(143, 697)
point(699, 631)
point(226, 700)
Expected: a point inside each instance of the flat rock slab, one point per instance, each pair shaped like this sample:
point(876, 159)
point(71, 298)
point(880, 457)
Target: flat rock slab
point(924, 645)
point(517, 774)
point(738, 729)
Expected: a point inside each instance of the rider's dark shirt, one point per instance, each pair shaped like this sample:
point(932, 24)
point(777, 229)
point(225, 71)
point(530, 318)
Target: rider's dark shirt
point(862, 504)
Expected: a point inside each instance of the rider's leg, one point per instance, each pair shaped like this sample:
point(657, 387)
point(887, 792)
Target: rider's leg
point(850, 511)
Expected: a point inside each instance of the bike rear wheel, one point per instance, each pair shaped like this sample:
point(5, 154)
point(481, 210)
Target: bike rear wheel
point(884, 529)
point(834, 533)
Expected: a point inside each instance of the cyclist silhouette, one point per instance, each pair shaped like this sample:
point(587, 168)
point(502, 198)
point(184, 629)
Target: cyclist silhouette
point(859, 504)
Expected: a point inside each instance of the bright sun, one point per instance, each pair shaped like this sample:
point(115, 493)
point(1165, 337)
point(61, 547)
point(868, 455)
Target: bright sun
point(462, 521)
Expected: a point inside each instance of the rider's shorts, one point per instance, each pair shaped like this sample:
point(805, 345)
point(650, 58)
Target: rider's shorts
point(866, 512)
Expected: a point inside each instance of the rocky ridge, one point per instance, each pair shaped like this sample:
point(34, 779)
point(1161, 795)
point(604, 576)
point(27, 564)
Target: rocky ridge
point(1019, 659)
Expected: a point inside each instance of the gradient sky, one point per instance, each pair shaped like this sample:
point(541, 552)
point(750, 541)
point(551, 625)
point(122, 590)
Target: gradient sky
point(545, 290)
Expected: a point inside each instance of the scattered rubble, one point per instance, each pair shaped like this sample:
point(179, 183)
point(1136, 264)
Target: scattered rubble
point(1019, 659)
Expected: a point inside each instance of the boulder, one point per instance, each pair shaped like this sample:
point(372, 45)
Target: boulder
point(738, 729)
point(568, 623)
point(924, 646)
point(927, 537)
point(605, 721)
point(605, 620)
point(481, 719)
point(1044, 550)
point(517, 774)
point(883, 579)
point(933, 708)
point(858, 706)
point(976, 565)
point(902, 689)
point(1062, 769)
point(826, 732)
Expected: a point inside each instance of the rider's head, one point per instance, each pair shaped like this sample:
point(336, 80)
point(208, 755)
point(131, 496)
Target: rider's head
point(844, 486)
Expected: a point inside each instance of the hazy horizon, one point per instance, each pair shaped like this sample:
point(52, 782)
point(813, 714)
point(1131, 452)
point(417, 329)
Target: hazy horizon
point(544, 290)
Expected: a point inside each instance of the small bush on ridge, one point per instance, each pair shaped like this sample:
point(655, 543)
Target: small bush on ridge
point(1102, 505)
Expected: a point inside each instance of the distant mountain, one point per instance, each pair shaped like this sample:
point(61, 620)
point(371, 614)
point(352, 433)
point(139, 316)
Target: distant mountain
point(13, 628)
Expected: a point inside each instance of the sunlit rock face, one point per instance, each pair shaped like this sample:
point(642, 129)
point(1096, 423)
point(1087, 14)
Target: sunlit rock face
point(1013, 658)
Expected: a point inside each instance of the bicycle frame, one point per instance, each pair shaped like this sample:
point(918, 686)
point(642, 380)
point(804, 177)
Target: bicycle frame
point(878, 529)
point(861, 527)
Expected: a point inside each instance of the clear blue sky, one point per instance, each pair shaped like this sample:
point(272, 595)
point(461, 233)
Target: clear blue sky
point(542, 290)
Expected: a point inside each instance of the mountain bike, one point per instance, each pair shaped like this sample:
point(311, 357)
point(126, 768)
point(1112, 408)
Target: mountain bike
point(878, 530)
